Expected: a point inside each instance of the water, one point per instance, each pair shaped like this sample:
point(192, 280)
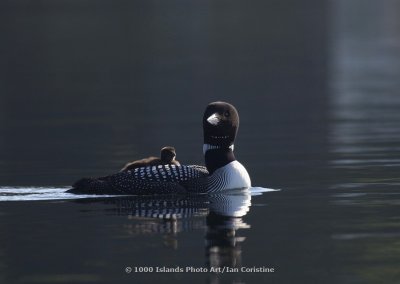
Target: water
point(89, 86)
point(49, 193)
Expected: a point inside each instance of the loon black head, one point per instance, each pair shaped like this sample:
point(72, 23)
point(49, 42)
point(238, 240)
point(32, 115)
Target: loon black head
point(220, 126)
point(168, 154)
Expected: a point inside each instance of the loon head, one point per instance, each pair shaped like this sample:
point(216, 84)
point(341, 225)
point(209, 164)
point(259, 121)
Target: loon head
point(220, 125)
point(168, 154)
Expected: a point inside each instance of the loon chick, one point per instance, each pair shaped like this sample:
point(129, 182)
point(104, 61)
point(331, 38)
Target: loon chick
point(168, 155)
point(223, 171)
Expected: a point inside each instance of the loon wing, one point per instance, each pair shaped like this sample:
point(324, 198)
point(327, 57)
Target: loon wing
point(161, 179)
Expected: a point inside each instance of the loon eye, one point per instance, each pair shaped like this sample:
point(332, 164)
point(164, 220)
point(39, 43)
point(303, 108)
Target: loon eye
point(226, 114)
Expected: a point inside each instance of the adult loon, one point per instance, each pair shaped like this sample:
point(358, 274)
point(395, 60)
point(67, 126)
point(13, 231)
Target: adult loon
point(223, 171)
point(167, 156)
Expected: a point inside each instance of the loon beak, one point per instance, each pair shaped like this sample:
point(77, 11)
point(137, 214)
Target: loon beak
point(214, 119)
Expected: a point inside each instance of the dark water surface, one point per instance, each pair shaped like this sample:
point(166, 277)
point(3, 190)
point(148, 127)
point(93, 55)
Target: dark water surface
point(89, 85)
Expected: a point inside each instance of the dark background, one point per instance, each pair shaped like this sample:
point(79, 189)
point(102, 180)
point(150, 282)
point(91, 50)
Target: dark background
point(90, 85)
point(86, 86)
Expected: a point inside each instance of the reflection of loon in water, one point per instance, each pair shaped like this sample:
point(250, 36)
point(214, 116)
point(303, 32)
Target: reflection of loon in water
point(223, 171)
point(170, 215)
point(233, 204)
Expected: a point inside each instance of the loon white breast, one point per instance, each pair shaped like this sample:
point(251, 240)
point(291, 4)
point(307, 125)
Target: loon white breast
point(222, 171)
point(231, 176)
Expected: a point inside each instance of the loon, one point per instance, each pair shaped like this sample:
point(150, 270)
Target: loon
point(222, 171)
point(168, 155)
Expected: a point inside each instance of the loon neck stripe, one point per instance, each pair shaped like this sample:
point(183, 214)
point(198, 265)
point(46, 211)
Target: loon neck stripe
point(207, 147)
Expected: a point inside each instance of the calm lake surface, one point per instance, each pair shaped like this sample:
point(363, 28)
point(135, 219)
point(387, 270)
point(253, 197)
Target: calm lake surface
point(88, 86)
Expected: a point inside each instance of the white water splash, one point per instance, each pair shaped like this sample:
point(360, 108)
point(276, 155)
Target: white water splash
point(260, 190)
point(57, 193)
point(40, 193)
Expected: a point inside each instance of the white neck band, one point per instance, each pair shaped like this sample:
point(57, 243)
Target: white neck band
point(207, 147)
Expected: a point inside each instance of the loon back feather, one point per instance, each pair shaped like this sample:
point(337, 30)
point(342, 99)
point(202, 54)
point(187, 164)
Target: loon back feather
point(161, 179)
